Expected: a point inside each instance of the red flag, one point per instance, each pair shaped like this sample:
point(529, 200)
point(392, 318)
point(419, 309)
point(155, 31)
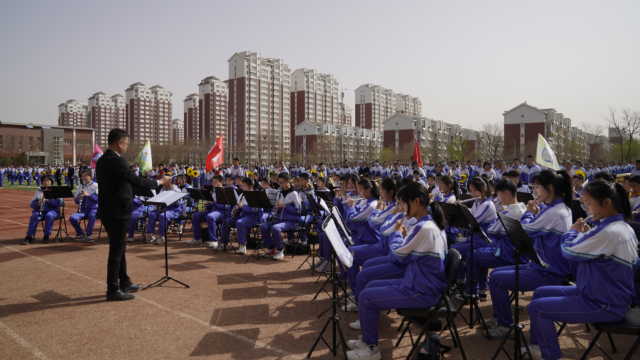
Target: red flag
point(215, 158)
point(97, 152)
point(417, 156)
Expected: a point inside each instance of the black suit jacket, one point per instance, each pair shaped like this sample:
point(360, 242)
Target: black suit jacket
point(116, 183)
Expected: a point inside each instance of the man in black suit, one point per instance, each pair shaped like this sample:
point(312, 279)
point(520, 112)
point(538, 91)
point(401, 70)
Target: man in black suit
point(116, 182)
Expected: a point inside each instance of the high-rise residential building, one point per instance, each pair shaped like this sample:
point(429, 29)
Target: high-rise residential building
point(106, 113)
point(213, 99)
point(192, 127)
point(148, 113)
point(314, 98)
point(73, 113)
point(259, 111)
point(177, 132)
point(375, 104)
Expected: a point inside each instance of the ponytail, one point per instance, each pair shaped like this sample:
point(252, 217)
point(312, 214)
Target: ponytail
point(560, 181)
point(414, 190)
point(601, 190)
point(438, 215)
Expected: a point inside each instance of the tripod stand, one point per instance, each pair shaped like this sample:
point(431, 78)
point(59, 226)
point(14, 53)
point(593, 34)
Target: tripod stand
point(333, 319)
point(520, 240)
point(166, 276)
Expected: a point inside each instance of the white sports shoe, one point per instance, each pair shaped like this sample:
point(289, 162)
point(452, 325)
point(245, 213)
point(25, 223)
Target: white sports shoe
point(356, 343)
point(279, 255)
point(212, 245)
point(370, 352)
point(153, 240)
point(355, 325)
point(194, 242)
point(130, 239)
point(242, 250)
point(160, 240)
point(352, 305)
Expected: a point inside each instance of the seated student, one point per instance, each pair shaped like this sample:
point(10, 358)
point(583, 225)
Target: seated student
point(500, 252)
point(423, 281)
point(547, 218)
point(604, 256)
point(138, 210)
point(578, 182)
point(287, 217)
point(357, 215)
point(362, 253)
point(202, 212)
point(448, 190)
point(47, 209)
point(163, 216)
point(634, 196)
point(87, 199)
point(243, 218)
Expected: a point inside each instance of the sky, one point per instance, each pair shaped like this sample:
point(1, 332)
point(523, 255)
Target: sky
point(467, 61)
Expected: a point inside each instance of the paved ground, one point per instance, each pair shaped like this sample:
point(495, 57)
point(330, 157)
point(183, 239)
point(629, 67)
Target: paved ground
point(52, 304)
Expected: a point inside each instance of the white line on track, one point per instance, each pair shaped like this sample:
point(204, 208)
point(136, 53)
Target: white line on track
point(22, 341)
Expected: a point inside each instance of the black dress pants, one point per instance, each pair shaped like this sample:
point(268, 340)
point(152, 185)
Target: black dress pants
point(117, 277)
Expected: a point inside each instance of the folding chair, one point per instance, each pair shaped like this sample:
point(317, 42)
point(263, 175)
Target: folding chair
point(629, 326)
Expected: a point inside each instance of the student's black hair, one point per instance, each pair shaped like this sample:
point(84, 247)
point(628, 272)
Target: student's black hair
point(481, 185)
point(116, 135)
point(451, 183)
point(506, 185)
point(247, 181)
point(46, 177)
point(634, 179)
point(415, 190)
point(603, 175)
point(218, 178)
point(390, 186)
point(371, 186)
point(560, 181)
point(601, 190)
point(284, 175)
point(85, 172)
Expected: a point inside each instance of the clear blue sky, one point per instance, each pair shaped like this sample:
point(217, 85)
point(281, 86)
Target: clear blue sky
point(467, 61)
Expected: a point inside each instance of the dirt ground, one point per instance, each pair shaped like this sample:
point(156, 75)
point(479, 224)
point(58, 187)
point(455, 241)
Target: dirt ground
point(52, 304)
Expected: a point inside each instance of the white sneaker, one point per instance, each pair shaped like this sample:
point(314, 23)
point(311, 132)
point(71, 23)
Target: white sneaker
point(356, 344)
point(352, 305)
point(180, 228)
point(355, 325)
point(242, 250)
point(130, 239)
point(370, 352)
point(153, 240)
point(160, 240)
point(212, 245)
point(88, 239)
point(194, 242)
point(279, 255)
point(535, 354)
point(498, 332)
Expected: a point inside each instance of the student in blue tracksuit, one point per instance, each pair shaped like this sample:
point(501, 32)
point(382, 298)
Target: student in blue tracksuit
point(138, 210)
point(604, 256)
point(385, 209)
point(501, 251)
point(163, 217)
point(357, 214)
point(547, 218)
point(423, 281)
point(243, 218)
point(43, 209)
point(287, 217)
point(87, 200)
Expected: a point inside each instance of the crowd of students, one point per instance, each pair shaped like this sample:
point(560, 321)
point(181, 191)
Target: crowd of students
point(586, 251)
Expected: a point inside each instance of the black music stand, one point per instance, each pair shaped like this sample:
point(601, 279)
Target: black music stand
point(330, 230)
point(523, 248)
point(198, 194)
point(327, 196)
point(459, 216)
point(226, 196)
point(162, 201)
point(146, 193)
point(257, 200)
point(59, 192)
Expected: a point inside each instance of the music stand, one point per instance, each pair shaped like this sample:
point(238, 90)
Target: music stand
point(340, 251)
point(226, 196)
point(57, 192)
point(327, 196)
point(523, 248)
point(162, 201)
point(257, 200)
point(460, 216)
point(197, 194)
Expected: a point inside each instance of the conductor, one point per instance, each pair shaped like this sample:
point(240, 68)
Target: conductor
point(116, 182)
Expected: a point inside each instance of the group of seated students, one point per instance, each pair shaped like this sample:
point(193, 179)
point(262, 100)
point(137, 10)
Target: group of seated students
point(584, 270)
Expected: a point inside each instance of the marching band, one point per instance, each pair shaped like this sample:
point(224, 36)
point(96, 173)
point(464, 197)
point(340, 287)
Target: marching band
point(584, 270)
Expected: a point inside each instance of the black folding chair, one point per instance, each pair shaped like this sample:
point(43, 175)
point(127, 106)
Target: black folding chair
point(444, 309)
point(629, 326)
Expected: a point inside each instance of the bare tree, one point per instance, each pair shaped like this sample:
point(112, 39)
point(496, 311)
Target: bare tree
point(492, 140)
point(626, 127)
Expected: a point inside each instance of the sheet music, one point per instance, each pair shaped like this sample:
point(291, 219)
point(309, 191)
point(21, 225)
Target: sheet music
point(324, 206)
point(343, 253)
point(336, 215)
point(167, 197)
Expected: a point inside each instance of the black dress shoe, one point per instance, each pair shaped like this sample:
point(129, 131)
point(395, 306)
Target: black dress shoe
point(27, 240)
point(45, 240)
point(119, 296)
point(130, 288)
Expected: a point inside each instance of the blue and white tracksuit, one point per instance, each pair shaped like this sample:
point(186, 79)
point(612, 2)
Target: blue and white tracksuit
point(357, 219)
point(172, 212)
point(139, 209)
point(546, 230)
point(287, 218)
point(88, 208)
point(604, 257)
point(50, 212)
point(421, 286)
point(247, 218)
